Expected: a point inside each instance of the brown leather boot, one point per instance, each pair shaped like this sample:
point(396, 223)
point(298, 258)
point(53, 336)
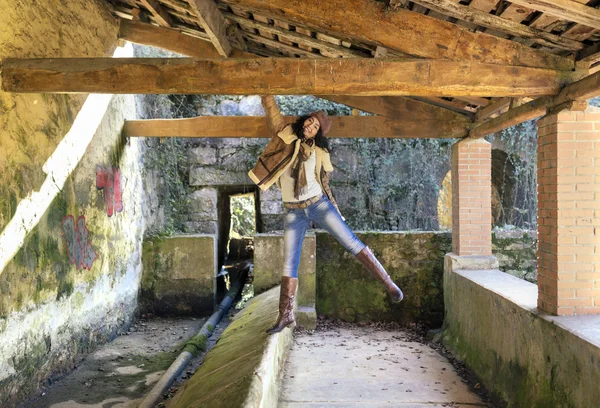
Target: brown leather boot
point(369, 261)
point(286, 304)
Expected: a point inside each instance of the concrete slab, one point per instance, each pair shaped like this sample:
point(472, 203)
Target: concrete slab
point(360, 367)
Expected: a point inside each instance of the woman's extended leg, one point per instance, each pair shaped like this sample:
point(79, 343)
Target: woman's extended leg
point(327, 217)
point(296, 223)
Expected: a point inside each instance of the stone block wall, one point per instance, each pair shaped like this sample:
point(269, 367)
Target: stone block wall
point(74, 280)
point(516, 253)
point(268, 263)
point(179, 275)
point(415, 261)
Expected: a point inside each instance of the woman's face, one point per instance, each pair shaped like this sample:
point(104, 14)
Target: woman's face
point(311, 127)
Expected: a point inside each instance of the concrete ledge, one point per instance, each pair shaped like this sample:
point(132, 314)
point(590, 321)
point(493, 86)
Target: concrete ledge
point(245, 368)
point(528, 358)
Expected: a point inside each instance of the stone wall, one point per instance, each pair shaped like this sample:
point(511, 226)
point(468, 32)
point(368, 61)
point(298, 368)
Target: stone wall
point(73, 282)
point(516, 251)
point(415, 262)
point(179, 275)
point(346, 290)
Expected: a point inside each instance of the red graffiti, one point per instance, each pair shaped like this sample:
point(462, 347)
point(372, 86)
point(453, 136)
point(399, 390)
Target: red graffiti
point(76, 237)
point(109, 180)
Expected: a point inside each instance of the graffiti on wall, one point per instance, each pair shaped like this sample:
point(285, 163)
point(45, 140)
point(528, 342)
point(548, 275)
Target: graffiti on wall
point(109, 180)
point(76, 238)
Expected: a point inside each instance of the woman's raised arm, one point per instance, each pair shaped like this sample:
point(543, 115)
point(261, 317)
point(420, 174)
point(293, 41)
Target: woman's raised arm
point(274, 119)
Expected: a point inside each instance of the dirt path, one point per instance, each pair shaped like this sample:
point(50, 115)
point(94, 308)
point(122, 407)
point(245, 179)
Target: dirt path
point(121, 372)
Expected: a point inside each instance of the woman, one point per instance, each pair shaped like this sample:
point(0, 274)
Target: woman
point(297, 159)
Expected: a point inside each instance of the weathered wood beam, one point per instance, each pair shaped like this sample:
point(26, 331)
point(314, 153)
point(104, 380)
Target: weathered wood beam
point(158, 12)
point(402, 30)
point(487, 20)
point(256, 127)
point(172, 40)
point(398, 107)
point(213, 22)
point(573, 96)
point(496, 107)
point(565, 9)
point(360, 76)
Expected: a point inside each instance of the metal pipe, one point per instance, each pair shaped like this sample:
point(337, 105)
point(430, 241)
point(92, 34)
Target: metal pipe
point(194, 346)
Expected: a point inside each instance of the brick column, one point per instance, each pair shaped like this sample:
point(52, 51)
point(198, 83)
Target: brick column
point(569, 213)
point(472, 197)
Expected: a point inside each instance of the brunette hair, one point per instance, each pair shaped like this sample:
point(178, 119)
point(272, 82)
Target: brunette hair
point(320, 140)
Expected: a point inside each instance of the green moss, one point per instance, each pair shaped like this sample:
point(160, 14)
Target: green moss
point(224, 377)
point(347, 291)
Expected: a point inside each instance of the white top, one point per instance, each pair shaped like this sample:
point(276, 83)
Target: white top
point(312, 187)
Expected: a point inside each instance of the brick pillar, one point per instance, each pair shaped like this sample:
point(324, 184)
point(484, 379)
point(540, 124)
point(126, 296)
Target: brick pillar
point(472, 197)
point(569, 213)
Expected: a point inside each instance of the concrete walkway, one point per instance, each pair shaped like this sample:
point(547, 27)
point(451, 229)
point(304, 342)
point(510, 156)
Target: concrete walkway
point(360, 367)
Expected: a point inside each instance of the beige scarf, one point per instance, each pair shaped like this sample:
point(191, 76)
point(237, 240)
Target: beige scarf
point(298, 172)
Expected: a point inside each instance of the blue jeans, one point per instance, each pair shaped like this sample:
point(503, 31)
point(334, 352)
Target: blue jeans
point(324, 214)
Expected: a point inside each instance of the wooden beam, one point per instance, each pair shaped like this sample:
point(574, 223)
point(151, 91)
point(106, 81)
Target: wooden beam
point(402, 30)
point(158, 12)
point(397, 107)
point(277, 76)
point(487, 20)
point(565, 9)
point(172, 40)
point(213, 22)
point(256, 127)
point(496, 107)
point(569, 97)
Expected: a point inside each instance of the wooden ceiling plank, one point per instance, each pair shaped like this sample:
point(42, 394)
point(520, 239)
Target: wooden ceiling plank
point(159, 13)
point(294, 37)
point(484, 19)
point(403, 30)
point(397, 107)
point(566, 9)
point(276, 44)
point(213, 22)
point(474, 100)
point(307, 33)
point(256, 127)
point(172, 40)
point(344, 76)
point(265, 21)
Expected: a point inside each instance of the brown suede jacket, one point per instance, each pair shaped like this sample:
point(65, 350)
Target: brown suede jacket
point(282, 150)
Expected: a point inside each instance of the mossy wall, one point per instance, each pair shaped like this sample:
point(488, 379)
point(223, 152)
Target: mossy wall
point(524, 358)
point(59, 299)
point(179, 275)
point(415, 261)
